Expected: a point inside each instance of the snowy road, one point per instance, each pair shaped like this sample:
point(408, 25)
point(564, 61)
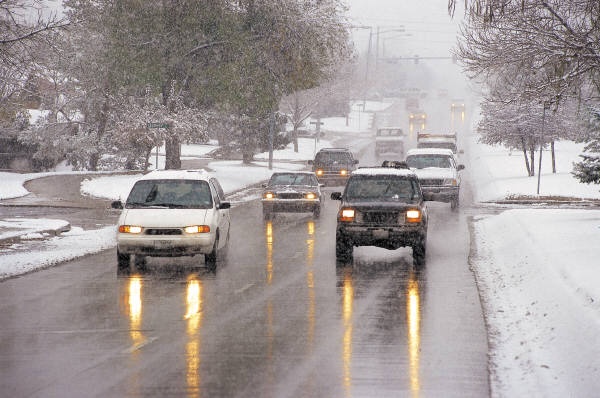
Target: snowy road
point(277, 319)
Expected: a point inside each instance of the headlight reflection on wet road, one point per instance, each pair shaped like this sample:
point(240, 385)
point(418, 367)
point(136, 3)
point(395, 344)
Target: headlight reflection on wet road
point(193, 316)
point(413, 315)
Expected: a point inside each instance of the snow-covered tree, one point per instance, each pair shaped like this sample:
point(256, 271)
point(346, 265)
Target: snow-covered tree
point(588, 170)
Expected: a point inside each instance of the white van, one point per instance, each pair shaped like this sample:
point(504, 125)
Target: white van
point(171, 213)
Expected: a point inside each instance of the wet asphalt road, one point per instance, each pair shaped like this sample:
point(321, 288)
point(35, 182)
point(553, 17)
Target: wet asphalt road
point(277, 319)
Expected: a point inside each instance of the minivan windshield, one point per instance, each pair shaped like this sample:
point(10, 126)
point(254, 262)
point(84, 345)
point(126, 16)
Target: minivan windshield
point(184, 194)
point(381, 189)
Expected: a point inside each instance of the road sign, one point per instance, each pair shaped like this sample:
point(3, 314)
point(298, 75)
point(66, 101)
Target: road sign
point(157, 125)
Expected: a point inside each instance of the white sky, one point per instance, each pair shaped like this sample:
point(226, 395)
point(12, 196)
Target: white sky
point(432, 31)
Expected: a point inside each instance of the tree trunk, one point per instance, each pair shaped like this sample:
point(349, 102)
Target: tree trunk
point(532, 160)
point(172, 153)
point(553, 157)
point(525, 156)
point(295, 138)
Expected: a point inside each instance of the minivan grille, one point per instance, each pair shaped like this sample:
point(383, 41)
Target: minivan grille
point(163, 231)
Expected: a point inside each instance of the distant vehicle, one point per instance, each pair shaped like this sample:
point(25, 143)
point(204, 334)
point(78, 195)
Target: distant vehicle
point(390, 141)
point(333, 165)
point(172, 213)
point(428, 140)
point(457, 105)
point(438, 173)
point(292, 192)
point(417, 118)
point(383, 207)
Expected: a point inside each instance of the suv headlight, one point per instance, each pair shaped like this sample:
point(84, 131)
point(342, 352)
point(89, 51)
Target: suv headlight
point(413, 216)
point(268, 195)
point(450, 181)
point(347, 215)
point(319, 172)
point(310, 195)
point(343, 172)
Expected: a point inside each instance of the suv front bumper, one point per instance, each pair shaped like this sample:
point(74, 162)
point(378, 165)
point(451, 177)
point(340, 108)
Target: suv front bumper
point(441, 193)
point(388, 237)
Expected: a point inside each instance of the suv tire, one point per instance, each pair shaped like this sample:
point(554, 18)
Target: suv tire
point(419, 251)
point(343, 247)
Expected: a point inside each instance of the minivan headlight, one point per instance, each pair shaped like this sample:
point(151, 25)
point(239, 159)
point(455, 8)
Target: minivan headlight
point(130, 229)
point(197, 229)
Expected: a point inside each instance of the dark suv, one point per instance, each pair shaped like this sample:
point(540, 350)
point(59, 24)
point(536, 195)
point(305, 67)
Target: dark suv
point(384, 207)
point(333, 165)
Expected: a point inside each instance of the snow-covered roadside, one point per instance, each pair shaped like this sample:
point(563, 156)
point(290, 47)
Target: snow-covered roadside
point(537, 271)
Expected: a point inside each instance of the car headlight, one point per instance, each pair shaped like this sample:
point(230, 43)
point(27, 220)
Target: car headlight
point(319, 172)
point(197, 229)
point(347, 215)
point(269, 195)
point(310, 195)
point(413, 216)
point(130, 229)
point(450, 181)
point(343, 172)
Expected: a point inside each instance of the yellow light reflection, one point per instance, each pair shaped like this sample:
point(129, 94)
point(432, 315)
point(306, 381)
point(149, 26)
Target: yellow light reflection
point(135, 309)
point(193, 315)
point(462, 116)
point(347, 309)
point(310, 282)
point(269, 238)
point(413, 314)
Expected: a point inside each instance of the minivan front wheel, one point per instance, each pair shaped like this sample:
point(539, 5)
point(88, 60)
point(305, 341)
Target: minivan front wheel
point(211, 258)
point(123, 260)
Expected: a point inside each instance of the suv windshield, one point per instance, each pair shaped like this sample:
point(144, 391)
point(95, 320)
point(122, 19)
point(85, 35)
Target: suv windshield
point(381, 189)
point(425, 161)
point(333, 158)
point(185, 194)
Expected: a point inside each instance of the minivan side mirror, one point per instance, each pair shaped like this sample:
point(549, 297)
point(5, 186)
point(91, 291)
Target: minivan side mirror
point(116, 204)
point(355, 161)
point(224, 205)
point(336, 196)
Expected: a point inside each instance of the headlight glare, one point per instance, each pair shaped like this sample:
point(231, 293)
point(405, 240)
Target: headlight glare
point(197, 229)
point(413, 215)
point(347, 215)
point(268, 195)
point(310, 195)
point(130, 229)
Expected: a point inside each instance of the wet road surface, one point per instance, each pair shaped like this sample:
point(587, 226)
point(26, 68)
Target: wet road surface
point(276, 319)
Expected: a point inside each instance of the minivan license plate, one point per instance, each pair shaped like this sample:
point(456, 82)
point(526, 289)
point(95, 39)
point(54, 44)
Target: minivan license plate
point(162, 244)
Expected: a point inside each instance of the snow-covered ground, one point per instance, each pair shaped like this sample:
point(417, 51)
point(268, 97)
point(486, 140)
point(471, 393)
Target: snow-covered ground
point(536, 267)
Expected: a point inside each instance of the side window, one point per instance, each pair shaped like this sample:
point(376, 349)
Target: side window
point(216, 187)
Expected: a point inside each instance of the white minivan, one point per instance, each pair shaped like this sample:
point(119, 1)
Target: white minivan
point(171, 213)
